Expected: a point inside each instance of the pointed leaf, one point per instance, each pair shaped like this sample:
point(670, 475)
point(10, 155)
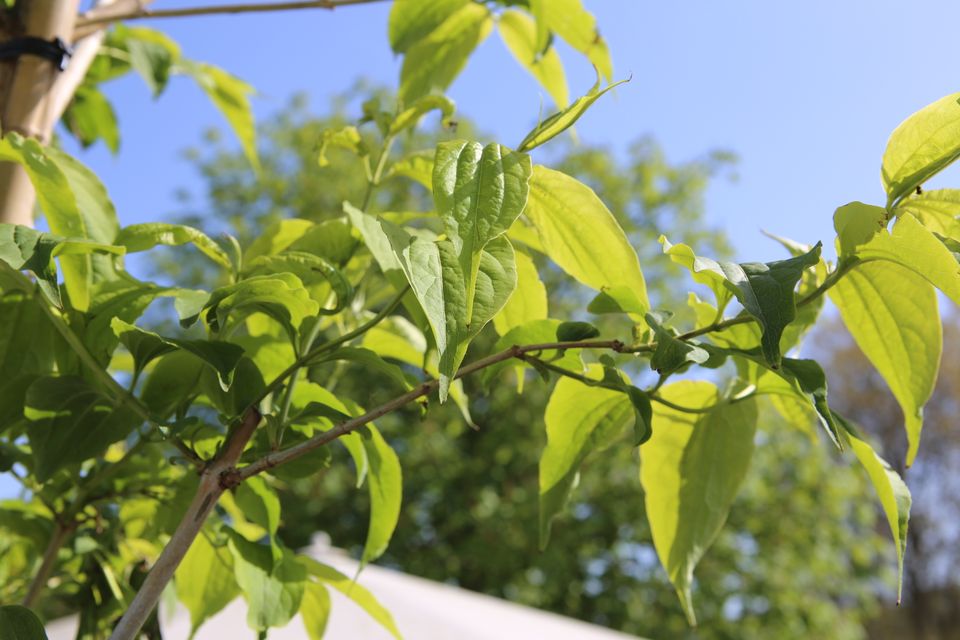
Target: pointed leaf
point(315, 610)
point(937, 210)
point(281, 296)
point(892, 314)
point(231, 96)
point(140, 237)
point(205, 581)
point(386, 493)
point(273, 590)
point(435, 275)
point(409, 117)
point(260, 503)
point(579, 420)
point(563, 120)
point(921, 146)
point(581, 235)
point(519, 33)
point(569, 20)
point(691, 470)
point(917, 249)
point(891, 490)
point(413, 20)
point(366, 600)
point(434, 61)
point(223, 357)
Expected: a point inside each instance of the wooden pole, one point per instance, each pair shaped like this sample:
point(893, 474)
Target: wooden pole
point(26, 104)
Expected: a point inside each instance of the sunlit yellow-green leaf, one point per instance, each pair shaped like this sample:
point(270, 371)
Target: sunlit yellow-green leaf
point(921, 146)
point(580, 234)
point(937, 210)
point(892, 314)
point(435, 60)
point(891, 490)
point(577, 26)
point(204, 581)
point(691, 470)
point(413, 20)
point(527, 302)
point(519, 33)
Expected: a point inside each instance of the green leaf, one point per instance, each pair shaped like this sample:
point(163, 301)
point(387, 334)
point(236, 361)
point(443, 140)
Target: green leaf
point(205, 581)
point(140, 237)
point(260, 504)
point(856, 223)
point(916, 248)
point(19, 623)
point(891, 490)
point(579, 420)
point(563, 120)
point(569, 20)
point(172, 380)
point(346, 137)
point(247, 384)
point(937, 210)
point(24, 248)
point(528, 301)
point(691, 470)
point(920, 147)
point(231, 96)
point(369, 361)
point(90, 117)
point(766, 290)
point(277, 237)
point(386, 493)
point(307, 267)
point(704, 270)
point(892, 314)
point(315, 610)
point(413, 20)
point(437, 279)
point(361, 596)
point(575, 331)
point(71, 422)
point(273, 590)
point(409, 117)
point(581, 235)
point(417, 166)
point(436, 59)
point(144, 345)
point(76, 206)
point(479, 192)
point(152, 55)
point(671, 354)
point(519, 33)
point(281, 296)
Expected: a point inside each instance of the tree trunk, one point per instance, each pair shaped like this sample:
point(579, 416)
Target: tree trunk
point(26, 100)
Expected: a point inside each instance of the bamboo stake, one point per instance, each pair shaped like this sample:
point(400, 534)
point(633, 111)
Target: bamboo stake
point(25, 106)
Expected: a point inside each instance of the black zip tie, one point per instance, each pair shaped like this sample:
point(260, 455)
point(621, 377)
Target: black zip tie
point(56, 50)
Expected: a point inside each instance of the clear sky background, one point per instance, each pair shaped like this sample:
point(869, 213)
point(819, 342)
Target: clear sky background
point(806, 93)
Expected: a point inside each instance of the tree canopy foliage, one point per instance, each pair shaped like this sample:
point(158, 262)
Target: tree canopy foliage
point(158, 456)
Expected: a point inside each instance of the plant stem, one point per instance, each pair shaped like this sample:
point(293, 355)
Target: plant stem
point(59, 536)
point(374, 180)
point(105, 15)
point(213, 481)
point(286, 455)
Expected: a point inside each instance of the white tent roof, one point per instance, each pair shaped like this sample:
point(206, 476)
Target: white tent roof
point(423, 610)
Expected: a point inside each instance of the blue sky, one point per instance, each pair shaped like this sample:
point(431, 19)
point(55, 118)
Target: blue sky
point(805, 93)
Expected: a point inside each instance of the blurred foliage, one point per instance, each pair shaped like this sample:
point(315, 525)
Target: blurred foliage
point(781, 568)
point(930, 583)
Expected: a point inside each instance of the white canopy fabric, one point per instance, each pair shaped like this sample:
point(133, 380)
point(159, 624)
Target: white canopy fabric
point(423, 610)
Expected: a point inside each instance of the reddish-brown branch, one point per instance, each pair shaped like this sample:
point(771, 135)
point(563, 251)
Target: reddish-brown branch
point(109, 14)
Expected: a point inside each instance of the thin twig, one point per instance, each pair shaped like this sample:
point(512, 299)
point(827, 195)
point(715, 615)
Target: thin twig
point(286, 455)
point(39, 581)
point(106, 15)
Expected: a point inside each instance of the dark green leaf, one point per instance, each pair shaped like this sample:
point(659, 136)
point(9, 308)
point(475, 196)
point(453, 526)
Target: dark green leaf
point(671, 354)
point(71, 422)
point(576, 331)
point(90, 117)
point(19, 623)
